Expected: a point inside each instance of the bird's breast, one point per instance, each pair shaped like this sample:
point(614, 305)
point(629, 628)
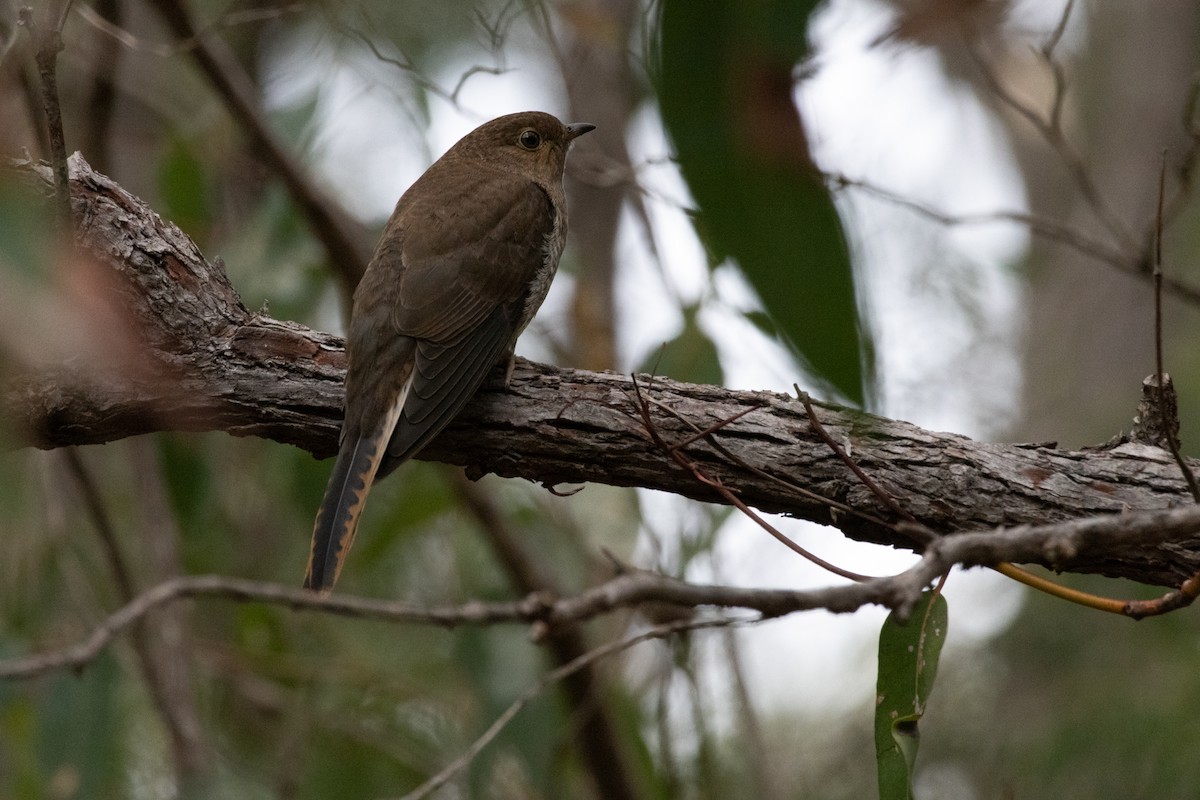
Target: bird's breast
point(539, 287)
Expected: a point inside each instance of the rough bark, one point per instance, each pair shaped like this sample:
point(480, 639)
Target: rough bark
point(208, 363)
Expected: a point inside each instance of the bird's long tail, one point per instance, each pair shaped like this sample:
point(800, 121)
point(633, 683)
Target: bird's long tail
point(345, 496)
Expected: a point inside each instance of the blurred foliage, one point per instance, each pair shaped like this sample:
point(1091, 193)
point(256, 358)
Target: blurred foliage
point(725, 90)
point(300, 705)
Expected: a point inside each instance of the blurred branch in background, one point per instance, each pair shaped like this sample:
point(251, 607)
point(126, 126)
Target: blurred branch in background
point(597, 731)
point(345, 241)
point(158, 638)
point(598, 73)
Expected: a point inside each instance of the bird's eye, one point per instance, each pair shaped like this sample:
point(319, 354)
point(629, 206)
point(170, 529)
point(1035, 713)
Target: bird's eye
point(529, 139)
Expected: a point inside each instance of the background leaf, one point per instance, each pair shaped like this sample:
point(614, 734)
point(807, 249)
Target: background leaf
point(742, 148)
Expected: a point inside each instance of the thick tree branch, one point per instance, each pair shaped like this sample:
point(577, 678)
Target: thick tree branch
point(205, 362)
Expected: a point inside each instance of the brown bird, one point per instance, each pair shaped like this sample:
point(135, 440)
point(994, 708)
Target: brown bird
point(464, 263)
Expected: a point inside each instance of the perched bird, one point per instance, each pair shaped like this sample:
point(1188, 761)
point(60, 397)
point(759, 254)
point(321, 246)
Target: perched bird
point(464, 263)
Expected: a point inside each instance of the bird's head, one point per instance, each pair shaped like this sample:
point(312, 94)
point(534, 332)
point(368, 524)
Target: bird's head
point(529, 142)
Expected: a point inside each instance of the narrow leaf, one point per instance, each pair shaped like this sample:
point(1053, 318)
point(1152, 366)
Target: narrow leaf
point(726, 95)
point(908, 659)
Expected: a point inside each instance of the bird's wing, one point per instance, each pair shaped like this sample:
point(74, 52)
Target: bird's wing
point(467, 253)
point(445, 378)
point(467, 265)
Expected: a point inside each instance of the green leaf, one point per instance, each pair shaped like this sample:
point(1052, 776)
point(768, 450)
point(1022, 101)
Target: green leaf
point(185, 189)
point(690, 356)
point(725, 91)
point(908, 659)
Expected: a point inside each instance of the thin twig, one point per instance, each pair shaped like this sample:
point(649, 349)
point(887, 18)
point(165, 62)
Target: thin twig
point(921, 533)
point(1057, 34)
point(1168, 417)
point(679, 457)
point(884, 497)
point(565, 671)
point(1053, 135)
point(1062, 543)
point(1038, 226)
point(229, 19)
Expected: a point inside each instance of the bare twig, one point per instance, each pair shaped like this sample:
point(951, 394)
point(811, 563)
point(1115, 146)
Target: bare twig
point(675, 451)
point(1167, 416)
point(1051, 132)
point(1050, 230)
point(561, 673)
point(406, 65)
point(1059, 29)
point(884, 497)
point(1062, 544)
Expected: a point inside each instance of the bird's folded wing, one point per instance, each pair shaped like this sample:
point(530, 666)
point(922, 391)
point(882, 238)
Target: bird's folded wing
point(445, 377)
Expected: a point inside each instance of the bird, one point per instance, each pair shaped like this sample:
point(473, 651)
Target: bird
point(462, 266)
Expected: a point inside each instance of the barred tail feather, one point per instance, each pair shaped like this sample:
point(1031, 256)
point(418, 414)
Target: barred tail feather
point(345, 496)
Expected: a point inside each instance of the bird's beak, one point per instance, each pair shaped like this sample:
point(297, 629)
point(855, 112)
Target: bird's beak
point(577, 129)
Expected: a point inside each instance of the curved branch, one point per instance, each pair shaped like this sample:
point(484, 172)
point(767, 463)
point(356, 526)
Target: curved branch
point(1063, 545)
point(205, 362)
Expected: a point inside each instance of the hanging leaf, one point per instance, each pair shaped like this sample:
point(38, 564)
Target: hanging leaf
point(726, 98)
point(908, 659)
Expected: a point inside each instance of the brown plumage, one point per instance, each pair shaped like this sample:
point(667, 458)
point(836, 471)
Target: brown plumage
point(464, 262)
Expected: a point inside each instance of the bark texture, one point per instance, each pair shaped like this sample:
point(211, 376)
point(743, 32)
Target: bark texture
point(205, 362)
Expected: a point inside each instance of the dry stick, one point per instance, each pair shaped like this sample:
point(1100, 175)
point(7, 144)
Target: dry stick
point(1136, 609)
point(1167, 421)
point(626, 590)
point(885, 497)
point(682, 460)
point(920, 532)
point(565, 671)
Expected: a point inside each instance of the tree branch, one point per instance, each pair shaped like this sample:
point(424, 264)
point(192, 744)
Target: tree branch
point(205, 362)
point(1064, 545)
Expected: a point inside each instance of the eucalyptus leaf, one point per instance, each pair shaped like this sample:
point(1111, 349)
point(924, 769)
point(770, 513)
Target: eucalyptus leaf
point(908, 659)
point(726, 95)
